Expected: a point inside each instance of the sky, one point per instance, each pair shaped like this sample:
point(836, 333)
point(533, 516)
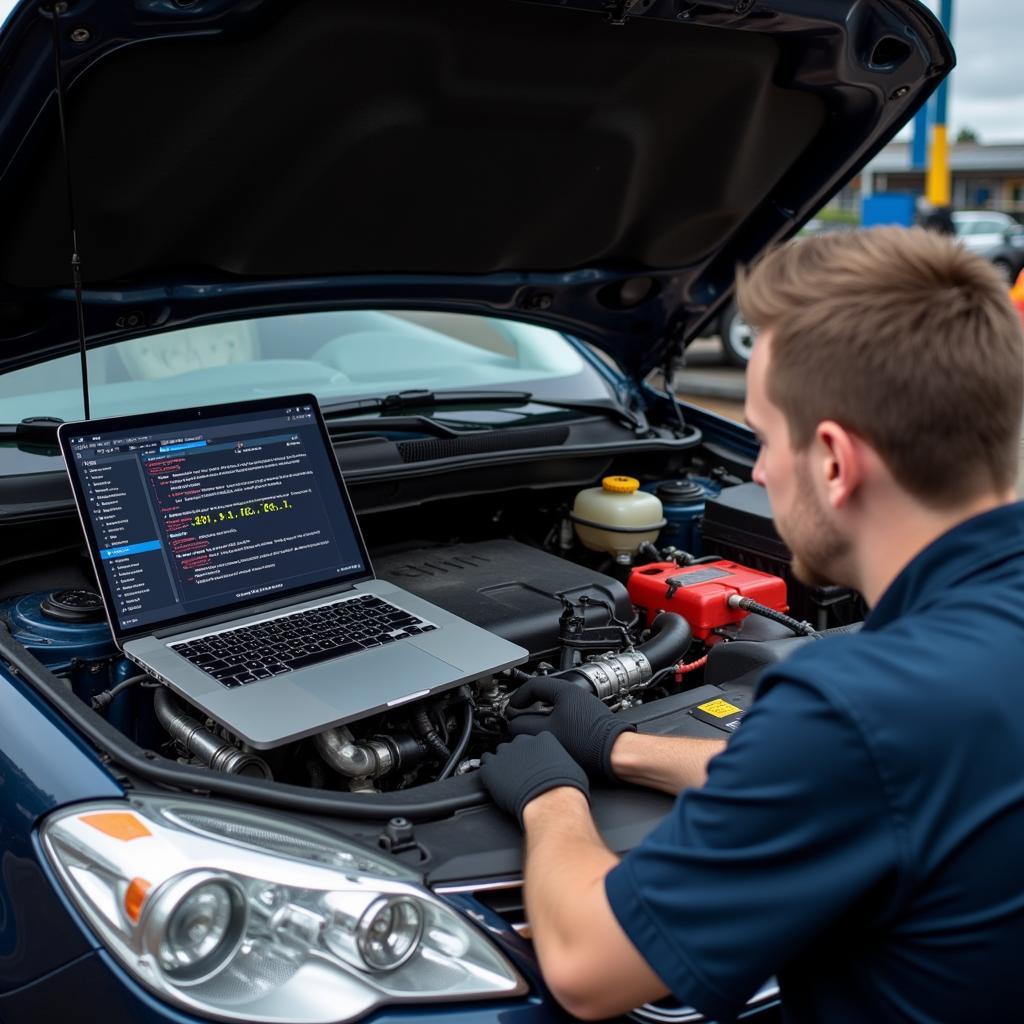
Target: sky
point(986, 91)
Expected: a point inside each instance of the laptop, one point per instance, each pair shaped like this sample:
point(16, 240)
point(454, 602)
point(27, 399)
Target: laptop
point(232, 568)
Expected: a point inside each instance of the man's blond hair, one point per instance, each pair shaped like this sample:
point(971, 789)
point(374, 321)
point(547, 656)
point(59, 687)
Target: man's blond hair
point(906, 339)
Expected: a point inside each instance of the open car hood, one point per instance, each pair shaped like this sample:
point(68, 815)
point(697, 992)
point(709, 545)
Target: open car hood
point(598, 166)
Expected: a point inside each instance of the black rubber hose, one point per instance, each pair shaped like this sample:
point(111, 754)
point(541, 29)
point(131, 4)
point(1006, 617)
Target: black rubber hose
point(670, 637)
point(213, 751)
point(748, 604)
point(462, 742)
point(427, 733)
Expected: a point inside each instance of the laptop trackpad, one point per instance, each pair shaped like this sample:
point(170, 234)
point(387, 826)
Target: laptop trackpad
point(376, 677)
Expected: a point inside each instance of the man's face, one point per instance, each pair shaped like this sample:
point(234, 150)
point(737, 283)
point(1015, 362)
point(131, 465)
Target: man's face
point(791, 478)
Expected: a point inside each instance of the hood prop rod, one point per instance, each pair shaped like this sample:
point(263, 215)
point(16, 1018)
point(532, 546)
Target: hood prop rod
point(56, 10)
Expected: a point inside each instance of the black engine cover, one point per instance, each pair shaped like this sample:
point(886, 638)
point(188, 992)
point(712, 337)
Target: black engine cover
point(509, 588)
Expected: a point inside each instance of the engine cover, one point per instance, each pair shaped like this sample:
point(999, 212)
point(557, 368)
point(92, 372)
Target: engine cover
point(507, 587)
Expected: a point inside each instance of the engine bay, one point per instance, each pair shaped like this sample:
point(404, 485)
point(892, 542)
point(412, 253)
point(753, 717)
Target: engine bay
point(624, 610)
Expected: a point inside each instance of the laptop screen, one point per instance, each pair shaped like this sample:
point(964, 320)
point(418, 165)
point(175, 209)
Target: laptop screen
point(211, 509)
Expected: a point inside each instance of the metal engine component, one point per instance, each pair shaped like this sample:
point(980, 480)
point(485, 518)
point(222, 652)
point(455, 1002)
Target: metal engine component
point(612, 675)
point(202, 744)
point(68, 632)
point(368, 760)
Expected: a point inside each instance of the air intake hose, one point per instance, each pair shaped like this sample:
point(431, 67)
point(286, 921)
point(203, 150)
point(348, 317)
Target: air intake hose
point(202, 744)
point(670, 637)
point(614, 674)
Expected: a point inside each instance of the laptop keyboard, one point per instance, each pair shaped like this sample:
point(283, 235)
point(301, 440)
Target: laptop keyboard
point(274, 646)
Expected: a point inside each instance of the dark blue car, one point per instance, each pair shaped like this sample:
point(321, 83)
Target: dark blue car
point(481, 234)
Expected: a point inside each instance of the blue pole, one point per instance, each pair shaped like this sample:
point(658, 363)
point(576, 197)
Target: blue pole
point(942, 93)
point(919, 149)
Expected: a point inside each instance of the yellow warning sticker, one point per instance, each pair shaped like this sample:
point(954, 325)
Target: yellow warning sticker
point(719, 708)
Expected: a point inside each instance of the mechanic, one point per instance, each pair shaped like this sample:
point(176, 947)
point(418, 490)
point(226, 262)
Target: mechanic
point(860, 837)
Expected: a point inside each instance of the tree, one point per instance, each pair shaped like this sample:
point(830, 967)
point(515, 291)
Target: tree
point(967, 135)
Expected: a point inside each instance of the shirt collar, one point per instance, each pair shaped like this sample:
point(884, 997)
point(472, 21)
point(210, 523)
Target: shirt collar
point(967, 548)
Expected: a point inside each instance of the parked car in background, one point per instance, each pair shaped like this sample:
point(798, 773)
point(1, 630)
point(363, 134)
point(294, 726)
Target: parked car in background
point(996, 236)
point(735, 334)
point(474, 232)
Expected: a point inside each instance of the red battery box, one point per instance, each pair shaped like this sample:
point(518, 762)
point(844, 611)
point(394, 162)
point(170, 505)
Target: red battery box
point(700, 593)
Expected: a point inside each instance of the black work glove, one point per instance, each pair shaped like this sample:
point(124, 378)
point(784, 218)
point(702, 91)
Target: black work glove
point(527, 767)
point(578, 719)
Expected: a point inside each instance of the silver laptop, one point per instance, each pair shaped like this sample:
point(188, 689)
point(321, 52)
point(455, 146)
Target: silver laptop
point(232, 568)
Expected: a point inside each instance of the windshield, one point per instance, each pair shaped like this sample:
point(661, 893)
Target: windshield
point(334, 355)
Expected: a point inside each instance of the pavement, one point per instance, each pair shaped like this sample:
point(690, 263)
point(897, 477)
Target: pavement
point(707, 381)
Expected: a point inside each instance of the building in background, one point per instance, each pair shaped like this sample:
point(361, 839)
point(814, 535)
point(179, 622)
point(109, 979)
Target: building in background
point(984, 178)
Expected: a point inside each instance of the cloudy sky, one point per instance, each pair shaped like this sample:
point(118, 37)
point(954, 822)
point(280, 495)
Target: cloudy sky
point(987, 88)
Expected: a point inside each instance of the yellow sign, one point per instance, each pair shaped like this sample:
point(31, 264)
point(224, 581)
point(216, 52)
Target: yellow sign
point(719, 708)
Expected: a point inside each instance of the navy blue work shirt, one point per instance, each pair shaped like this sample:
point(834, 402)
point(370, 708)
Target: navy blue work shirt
point(862, 836)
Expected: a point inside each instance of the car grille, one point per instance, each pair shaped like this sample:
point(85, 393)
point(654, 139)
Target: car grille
point(505, 898)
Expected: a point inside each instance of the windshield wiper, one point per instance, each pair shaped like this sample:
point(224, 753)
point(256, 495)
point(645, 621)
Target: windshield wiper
point(38, 434)
point(34, 434)
point(423, 398)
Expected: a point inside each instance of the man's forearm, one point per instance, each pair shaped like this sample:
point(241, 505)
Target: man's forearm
point(588, 962)
point(667, 763)
point(566, 859)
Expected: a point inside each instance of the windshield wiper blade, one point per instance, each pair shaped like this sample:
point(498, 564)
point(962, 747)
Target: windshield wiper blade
point(423, 398)
point(398, 425)
point(419, 398)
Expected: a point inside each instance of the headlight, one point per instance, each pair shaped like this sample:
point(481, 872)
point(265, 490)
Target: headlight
point(232, 914)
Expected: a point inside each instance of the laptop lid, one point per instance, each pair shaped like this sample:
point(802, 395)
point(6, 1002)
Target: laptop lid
point(209, 510)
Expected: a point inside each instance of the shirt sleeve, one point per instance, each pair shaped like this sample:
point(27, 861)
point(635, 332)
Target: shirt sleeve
point(789, 832)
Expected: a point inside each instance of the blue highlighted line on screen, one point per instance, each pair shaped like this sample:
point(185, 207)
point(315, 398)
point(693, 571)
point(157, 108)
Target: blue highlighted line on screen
point(130, 549)
point(180, 447)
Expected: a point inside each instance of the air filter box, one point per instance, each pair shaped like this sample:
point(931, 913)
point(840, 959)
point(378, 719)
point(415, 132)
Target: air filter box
point(511, 589)
point(700, 593)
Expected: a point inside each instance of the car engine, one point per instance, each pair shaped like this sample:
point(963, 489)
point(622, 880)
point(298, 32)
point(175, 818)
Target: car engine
point(635, 621)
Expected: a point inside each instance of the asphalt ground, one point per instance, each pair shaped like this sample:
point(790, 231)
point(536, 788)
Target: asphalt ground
point(708, 382)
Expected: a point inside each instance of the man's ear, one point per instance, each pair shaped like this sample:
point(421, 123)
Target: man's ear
point(841, 459)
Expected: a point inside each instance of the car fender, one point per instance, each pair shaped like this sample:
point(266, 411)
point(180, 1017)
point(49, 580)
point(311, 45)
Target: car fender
point(43, 766)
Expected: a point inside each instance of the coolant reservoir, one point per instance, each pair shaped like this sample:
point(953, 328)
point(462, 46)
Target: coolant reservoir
point(617, 517)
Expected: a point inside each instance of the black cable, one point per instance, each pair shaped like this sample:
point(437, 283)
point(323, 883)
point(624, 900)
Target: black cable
point(648, 550)
point(101, 700)
point(613, 619)
point(670, 394)
point(750, 605)
point(463, 741)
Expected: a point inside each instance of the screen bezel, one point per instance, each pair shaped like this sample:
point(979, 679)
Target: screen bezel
point(198, 415)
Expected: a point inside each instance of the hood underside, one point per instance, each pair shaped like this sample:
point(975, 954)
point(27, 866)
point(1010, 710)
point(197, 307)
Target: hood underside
point(538, 160)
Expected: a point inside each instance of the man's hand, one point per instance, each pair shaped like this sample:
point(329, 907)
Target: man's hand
point(577, 719)
point(527, 767)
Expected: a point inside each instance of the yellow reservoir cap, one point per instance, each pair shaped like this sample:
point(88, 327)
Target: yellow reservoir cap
point(620, 484)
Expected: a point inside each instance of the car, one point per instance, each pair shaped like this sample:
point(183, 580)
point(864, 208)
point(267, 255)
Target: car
point(735, 335)
point(994, 235)
point(478, 234)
